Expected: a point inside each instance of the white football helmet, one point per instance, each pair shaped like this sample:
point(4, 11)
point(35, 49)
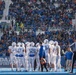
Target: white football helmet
point(51, 42)
point(56, 42)
point(9, 47)
point(19, 44)
point(32, 43)
point(45, 41)
point(23, 45)
point(37, 44)
point(13, 43)
point(28, 44)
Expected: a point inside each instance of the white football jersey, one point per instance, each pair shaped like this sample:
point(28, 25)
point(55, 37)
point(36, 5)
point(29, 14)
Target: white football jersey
point(32, 51)
point(51, 48)
point(37, 51)
point(27, 51)
point(13, 49)
point(20, 50)
point(58, 48)
point(46, 47)
point(55, 50)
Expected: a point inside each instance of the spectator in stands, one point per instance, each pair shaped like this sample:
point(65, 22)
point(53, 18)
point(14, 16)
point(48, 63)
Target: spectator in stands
point(2, 7)
point(51, 13)
point(40, 14)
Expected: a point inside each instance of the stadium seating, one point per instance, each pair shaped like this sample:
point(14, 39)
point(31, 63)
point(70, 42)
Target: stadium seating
point(42, 13)
point(35, 14)
point(2, 6)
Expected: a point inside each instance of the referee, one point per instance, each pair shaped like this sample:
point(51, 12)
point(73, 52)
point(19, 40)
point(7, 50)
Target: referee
point(42, 56)
point(74, 56)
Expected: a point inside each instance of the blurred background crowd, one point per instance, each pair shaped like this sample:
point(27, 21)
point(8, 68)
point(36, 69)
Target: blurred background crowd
point(38, 14)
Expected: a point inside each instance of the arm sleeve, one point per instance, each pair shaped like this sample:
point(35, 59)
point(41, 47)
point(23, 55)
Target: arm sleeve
point(65, 54)
point(72, 44)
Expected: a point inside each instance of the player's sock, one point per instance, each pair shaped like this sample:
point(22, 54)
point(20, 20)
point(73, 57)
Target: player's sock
point(12, 67)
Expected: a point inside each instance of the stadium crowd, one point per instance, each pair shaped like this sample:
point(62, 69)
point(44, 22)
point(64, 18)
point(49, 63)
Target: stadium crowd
point(38, 14)
point(2, 6)
point(42, 14)
point(64, 38)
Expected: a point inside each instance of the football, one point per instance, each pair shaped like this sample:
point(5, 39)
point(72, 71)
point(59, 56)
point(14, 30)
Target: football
point(43, 61)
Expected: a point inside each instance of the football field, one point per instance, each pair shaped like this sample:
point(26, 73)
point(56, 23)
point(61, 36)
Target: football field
point(7, 71)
